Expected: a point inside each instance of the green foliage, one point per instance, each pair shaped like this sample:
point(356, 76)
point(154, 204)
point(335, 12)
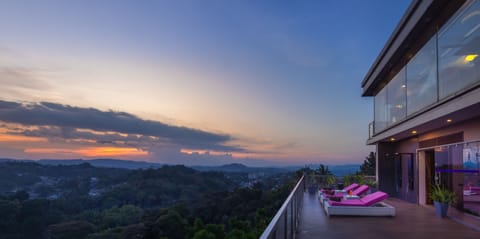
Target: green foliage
point(169, 202)
point(369, 165)
point(70, 230)
point(442, 195)
point(121, 216)
point(9, 211)
point(204, 234)
point(323, 170)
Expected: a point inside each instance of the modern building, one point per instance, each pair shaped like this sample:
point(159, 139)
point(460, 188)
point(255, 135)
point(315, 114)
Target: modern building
point(426, 88)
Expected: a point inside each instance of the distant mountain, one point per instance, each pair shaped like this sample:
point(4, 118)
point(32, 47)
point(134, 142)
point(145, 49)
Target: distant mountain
point(342, 170)
point(240, 168)
point(102, 163)
point(338, 170)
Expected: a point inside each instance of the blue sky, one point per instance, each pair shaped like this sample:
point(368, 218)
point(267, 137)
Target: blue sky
point(276, 82)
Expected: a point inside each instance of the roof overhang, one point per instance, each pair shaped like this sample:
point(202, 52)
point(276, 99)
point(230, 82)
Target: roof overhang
point(420, 22)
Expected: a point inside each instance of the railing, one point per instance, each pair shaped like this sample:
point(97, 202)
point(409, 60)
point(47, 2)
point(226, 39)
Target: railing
point(284, 224)
point(371, 129)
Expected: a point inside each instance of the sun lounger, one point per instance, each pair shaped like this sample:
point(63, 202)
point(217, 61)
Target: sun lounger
point(370, 205)
point(358, 191)
point(350, 187)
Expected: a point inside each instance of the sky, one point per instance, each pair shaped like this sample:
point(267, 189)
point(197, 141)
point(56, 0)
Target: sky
point(264, 83)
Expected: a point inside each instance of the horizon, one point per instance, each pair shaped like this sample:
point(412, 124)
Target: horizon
point(190, 83)
point(244, 163)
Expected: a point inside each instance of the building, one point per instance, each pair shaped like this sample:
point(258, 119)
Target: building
point(426, 88)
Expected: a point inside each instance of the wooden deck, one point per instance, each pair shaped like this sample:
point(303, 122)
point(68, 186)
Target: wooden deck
point(411, 221)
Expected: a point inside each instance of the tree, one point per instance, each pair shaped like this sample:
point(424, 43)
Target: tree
point(121, 216)
point(70, 230)
point(204, 234)
point(369, 165)
point(323, 170)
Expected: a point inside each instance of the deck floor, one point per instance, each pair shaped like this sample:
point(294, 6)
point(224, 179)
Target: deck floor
point(411, 221)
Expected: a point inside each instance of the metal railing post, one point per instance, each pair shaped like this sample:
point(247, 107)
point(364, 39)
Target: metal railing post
point(293, 200)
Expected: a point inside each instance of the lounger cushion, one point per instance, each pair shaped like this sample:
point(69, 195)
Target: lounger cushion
point(366, 201)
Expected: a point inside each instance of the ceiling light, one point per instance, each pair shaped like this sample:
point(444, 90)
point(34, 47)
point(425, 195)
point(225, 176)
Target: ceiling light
point(414, 132)
point(404, 86)
point(449, 120)
point(471, 57)
point(398, 106)
point(392, 139)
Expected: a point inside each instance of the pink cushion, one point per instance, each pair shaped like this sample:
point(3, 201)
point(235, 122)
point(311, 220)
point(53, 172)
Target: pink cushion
point(351, 187)
point(360, 190)
point(366, 201)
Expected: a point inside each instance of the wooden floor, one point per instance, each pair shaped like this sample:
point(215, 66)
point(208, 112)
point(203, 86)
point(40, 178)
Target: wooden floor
point(411, 221)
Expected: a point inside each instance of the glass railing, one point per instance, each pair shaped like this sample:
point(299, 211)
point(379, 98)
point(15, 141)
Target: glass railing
point(371, 129)
point(285, 223)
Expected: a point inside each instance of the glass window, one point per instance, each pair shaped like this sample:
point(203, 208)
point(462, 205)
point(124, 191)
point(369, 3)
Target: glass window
point(458, 51)
point(396, 99)
point(422, 78)
point(380, 122)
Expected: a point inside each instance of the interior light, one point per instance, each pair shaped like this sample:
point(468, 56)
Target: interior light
point(471, 57)
point(449, 120)
point(414, 132)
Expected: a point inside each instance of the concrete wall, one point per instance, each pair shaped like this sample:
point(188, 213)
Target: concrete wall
point(470, 128)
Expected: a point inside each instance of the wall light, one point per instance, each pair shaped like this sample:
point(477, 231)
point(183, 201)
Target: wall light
point(471, 57)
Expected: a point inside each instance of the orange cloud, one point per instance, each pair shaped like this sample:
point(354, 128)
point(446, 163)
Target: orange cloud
point(110, 152)
point(90, 151)
point(19, 138)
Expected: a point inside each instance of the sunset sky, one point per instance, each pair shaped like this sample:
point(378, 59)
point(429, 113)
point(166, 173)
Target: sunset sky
point(190, 82)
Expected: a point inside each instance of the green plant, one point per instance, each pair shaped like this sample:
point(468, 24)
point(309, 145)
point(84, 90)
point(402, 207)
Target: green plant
point(360, 179)
point(347, 179)
point(313, 179)
point(371, 183)
point(442, 195)
point(330, 180)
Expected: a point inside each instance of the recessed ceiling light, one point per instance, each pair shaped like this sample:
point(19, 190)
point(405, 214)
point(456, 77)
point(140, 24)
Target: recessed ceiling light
point(471, 57)
point(449, 120)
point(392, 139)
point(414, 132)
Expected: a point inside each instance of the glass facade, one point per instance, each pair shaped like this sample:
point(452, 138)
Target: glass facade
point(422, 78)
point(445, 65)
point(396, 99)
point(380, 122)
point(458, 48)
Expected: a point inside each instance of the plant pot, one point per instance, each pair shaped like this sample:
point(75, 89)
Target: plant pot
point(441, 209)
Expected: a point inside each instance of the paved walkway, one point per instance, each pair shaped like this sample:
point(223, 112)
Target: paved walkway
point(411, 221)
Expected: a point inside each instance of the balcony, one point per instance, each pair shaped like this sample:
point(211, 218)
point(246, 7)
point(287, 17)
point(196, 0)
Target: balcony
point(309, 220)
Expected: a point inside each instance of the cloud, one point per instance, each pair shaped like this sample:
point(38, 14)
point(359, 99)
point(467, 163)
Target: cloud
point(53, 120)
point(21, 78)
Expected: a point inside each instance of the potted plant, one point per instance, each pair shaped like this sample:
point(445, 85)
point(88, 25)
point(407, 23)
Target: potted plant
point(330, 180)
point(442, 197)
point(313, 186)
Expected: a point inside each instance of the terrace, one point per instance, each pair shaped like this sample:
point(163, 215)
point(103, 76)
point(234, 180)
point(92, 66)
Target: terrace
point(302, 216)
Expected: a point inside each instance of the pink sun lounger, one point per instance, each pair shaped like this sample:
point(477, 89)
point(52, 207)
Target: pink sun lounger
point(358, 191)
point(366, 201)
point(370, 205)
